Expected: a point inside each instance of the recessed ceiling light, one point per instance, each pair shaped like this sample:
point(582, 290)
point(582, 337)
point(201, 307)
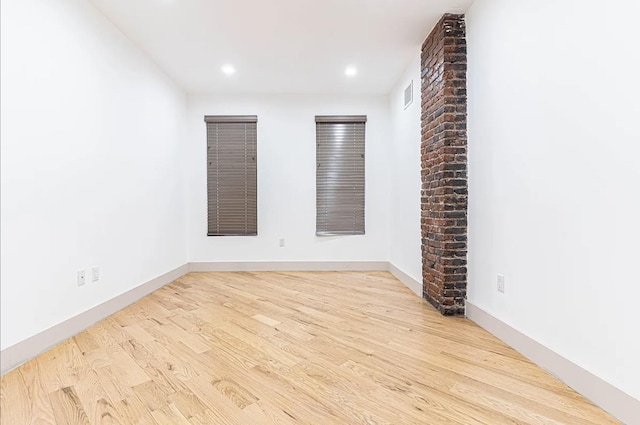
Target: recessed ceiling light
point(228, 69)
point(350, 71)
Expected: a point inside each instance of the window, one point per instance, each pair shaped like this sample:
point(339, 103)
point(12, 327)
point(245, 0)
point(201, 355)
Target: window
point(340, 175)
point(231, 175)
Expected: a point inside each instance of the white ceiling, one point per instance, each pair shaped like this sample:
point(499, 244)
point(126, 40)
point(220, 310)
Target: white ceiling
point(280, 46)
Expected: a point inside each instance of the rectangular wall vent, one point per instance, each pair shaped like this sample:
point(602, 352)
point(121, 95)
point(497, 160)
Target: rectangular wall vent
point(408, 95)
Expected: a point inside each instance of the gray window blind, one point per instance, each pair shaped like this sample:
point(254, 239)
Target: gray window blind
point(340, 174)
point(232, 175)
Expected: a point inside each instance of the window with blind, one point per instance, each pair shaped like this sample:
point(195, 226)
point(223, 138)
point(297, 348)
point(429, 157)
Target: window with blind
point(340, 174)
point(232, 175)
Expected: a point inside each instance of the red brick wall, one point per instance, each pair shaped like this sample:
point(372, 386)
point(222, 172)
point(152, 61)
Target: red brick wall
point(444, 166)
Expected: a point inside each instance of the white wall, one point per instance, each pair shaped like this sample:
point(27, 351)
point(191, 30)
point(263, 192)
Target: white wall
point(286, 180)
point(405, 250)
point(554, 180)
point(91, 164)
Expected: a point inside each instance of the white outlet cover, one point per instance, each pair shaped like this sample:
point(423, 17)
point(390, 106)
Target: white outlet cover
point(500, 281)
point(82, 277)
point(281, 243)
point(95, 274)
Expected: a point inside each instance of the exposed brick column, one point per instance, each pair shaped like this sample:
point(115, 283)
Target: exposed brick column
point(444, 166)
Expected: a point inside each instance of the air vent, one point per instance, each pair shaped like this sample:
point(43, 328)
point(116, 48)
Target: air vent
point(408, 95)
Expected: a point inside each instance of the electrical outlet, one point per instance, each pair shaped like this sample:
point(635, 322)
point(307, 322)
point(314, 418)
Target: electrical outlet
point(500, 283)
point(95, 274)
point(281, 243)
point(82, 277)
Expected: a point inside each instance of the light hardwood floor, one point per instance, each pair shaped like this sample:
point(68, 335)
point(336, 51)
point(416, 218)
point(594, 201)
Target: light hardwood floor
point(286, 348)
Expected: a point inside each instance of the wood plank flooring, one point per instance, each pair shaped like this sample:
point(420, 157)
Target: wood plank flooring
point(286, 348)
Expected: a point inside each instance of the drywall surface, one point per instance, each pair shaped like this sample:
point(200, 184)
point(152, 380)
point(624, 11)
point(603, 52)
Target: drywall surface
point(286, 180)
point(554, 177)
point(405, 251)
point(91, 165)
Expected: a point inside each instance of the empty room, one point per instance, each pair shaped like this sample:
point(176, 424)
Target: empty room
point(319, 212)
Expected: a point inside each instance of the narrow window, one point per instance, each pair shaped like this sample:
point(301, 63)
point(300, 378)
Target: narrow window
point(340, 174)
point(231, 175)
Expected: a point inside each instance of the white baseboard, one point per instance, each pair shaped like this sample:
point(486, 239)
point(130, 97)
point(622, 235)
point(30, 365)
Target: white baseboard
point(14, 356)
point(604, 395)
point(408, 281)
point(267, 266)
